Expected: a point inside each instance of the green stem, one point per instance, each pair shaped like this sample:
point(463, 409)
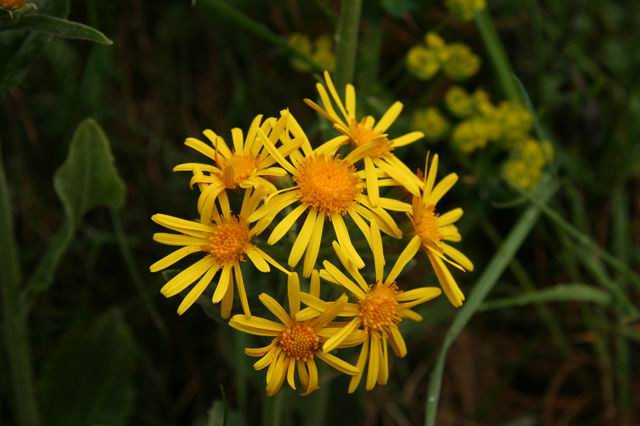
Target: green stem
point(498, 55)
point(481, 289)
point(584, 240)
point(243, 21)
point(15, 328)
point(347, 41)
point(127, 255)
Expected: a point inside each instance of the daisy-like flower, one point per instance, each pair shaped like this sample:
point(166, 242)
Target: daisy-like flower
point(248, 165)
point(326, 187)
point(361, 131)
point(224, 244)
point(378, 310)
point(431, 230)
point(296, 344)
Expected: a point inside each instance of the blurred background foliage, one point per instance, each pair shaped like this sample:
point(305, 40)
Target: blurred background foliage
point(107, 349)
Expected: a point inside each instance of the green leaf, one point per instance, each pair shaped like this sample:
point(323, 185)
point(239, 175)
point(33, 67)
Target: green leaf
point(18, 49)
point(87, 379)
point(558, 293)
point(398, 7)
point(483, 286)
point(87, 179)
point(60, 28)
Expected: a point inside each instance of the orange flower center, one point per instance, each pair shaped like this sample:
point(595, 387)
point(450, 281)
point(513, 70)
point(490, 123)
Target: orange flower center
point(425, 223)
point(236, 169)
point(299, 342)
point(11, 4)
point(361, 134)
point(229, 240)
point(378, 308)
point(329, 185)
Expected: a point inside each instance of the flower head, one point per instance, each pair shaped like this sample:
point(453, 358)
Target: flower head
point(431, 122)
point(461, 62)
point(296, 344)
point(247, 165)
point(465, 9)
point(432, 230)
point(11, 4)
point(362, 132)
point(378, 309)
point(327, 187)
point(223, 245)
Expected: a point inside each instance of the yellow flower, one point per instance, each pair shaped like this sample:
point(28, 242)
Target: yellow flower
point(465, 9)
point(518, 173)
point(363, 132)
point(378, 310)
point(431, 122)
point(247, 166)
point(459, 102)
point(326, 187)
point(473, 134)
point(431, 230)
point(323, 54)
point(224, 243)
point(461, 62)
point(423, 63)
point(296, 344)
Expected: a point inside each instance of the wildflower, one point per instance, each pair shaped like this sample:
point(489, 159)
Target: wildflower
point(521, 175)
point(321, 52)
point(378, 310)
point(423, 63)
point(473, 134)
point(482, 103)
point(364, 131)
point(247, 166)
point(323, 55)
point(431, 230)
point(465, 9)
point(225, 243)
point(431, 122)
point(459, 102)
point(296, 344)
point(326, 187)
point(461, 62)
point(515, 120)
point(302, 44)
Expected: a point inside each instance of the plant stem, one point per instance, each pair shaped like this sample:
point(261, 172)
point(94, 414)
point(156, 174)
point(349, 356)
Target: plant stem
point(498, 55)
point(15, 329)
point(347, 41)
point(259, 30)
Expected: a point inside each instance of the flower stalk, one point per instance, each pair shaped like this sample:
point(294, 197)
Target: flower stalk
point(347, 40)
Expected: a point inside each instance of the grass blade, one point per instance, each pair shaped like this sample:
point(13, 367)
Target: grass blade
point(480, 291)
point(557, 293)
point(347, 41)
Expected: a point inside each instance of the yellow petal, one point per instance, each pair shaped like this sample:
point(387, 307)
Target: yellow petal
point(184, 279)
point(405, 257)
point(285, 224)
point(302, 241)
point(388, 118)
point(197, 290)
point(334, 341)
point(338, 364)
point(360, 365)
point(173, 257)
point(311, 255)
point(275, 308)
point(374, 361)
point(223, 284)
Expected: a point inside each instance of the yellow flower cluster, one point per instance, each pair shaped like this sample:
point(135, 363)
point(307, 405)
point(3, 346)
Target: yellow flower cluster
point(524, 166)
point(456, 60)
point(334, 194)
point(319, 50)
point(508, 124)
point(465, 9)
point(431, 122)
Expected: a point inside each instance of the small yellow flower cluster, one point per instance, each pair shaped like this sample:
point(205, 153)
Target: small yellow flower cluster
point(320, 51)
point(456, 60)
point(465, 9)
point(524, 166)
point(507, 124)
point(324, 194)
point(431, 122)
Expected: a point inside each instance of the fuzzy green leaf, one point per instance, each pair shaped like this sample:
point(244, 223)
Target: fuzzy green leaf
point(60, 28)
